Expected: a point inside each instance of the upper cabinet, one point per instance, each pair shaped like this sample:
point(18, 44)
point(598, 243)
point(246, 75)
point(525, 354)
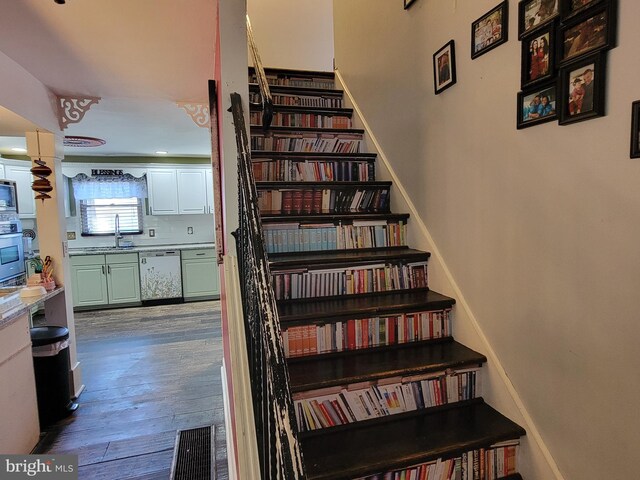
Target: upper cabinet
point(192, 191)
point(26, 197)
point(163, 191)
point(209, 187)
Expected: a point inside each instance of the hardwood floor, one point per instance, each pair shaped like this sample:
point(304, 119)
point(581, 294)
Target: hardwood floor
point(148, 372)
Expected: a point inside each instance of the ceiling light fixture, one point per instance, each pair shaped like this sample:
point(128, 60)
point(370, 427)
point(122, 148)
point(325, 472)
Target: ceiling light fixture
point(18, 149)
point(161, 152)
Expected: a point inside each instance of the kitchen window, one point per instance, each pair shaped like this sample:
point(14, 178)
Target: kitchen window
point(98, 215)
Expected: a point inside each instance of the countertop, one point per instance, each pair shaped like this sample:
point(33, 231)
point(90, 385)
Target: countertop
point(9, 316)
point(137, 248)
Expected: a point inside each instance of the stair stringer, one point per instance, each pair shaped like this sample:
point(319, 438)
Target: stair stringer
point(536, 461)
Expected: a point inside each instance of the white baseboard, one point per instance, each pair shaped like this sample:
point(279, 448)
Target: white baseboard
point(494, 361)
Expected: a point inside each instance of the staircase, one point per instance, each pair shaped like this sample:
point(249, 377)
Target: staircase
point(380, 387)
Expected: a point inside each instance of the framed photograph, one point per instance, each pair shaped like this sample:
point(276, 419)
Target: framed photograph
point(408, 3)
point(534, 14)
point(538, 105)
point(594, 30)
point(582, 89)
point(571, 8)
point(538, 56)
point(444, 67)
point(490, 30)
point(635, 129)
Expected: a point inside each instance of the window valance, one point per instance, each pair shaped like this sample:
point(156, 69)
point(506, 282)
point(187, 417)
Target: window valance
point(109, 186)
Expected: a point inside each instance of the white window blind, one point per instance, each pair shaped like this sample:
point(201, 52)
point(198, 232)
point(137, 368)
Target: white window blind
point(98, 215)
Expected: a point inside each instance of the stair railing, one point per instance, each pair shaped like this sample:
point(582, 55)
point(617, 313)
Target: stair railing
point(261, 78)
point(276, 428)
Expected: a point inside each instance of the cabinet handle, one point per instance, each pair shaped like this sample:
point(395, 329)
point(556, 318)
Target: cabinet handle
point(199, 254)
point(103, 269)
point(109, 269)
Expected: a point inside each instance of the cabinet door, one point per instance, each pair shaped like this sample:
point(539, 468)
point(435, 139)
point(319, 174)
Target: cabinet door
point(192, 191)
point(209, 184)
point(163, 191)
point(26, 197)
point(89, 284)
point(200, 278)
point(123, 280)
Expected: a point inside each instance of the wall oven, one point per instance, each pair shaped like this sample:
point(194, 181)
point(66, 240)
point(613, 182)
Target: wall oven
point(8, 197)
point(11, 250)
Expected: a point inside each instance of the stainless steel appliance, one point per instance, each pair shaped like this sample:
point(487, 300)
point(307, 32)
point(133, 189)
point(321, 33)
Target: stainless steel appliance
point(160, 275)
point(8, 197)
point(11, 248)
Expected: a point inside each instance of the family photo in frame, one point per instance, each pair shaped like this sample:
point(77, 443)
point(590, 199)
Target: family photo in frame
point(490, 30)
point(594, 30)
point(444, 67)
point(582, 87)
point(635, 129)
point(533, 14)
point(537, 106)
point(538, 57)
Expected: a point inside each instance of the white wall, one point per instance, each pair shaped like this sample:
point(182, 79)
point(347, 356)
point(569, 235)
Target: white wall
point(294, 34)
point(538, 227)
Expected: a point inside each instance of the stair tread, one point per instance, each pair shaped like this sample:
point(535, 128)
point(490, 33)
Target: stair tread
point(375, 448)
point(276, 129)
point(264, 184)
point(277, 107)
point(290, 89)
point(330, 217)
point(283, 261)
point(363, 307)
point(255, 154)
point(373, 364)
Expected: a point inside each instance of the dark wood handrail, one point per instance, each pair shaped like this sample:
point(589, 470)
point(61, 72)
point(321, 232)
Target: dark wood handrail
point(261, 78)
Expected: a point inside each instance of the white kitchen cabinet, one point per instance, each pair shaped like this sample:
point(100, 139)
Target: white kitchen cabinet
point(192, 191)
point(209, 188)
point(2, 171)
point(163, 191)
point(26, 197)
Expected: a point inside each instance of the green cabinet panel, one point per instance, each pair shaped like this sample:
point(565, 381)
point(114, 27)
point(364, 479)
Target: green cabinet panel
point(89, 284)
point(200, 274)
point(123, 282)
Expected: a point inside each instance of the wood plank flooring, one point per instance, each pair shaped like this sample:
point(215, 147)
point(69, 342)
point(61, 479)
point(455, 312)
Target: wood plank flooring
point(148, 372)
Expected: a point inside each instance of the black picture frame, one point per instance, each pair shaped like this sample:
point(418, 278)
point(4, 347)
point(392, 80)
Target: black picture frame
point(571, 8)
point(408, 3)
point(635, 129)
point(444, 67)
point(582, 35)
point(485, 35)
point(527, 116)
point(530, 18)
point(590, 103)
point(541, 67)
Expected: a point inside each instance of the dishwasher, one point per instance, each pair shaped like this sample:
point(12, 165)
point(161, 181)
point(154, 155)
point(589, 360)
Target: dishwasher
point(160, 276)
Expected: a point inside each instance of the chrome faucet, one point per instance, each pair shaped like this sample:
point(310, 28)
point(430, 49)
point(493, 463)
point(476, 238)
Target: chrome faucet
point(116, 232)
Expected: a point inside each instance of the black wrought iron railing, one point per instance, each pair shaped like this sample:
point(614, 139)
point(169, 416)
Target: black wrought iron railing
point(261, 79)
point(276, 429)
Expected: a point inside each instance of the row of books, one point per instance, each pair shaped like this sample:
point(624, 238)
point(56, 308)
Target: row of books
point(327, 200)
point(366, 333)
point(286, 170)
point(296, 237)
point(329, 101)
point(305, 283)
point(329, 143)
point(293, 81)
point(331, 407)
point(307, 120)
point(498, 461)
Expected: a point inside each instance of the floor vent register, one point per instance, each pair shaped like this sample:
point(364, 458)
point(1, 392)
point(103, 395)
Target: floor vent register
point(193, 457)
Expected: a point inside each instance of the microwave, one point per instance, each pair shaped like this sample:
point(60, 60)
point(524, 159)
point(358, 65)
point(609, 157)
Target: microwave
point(8, 197)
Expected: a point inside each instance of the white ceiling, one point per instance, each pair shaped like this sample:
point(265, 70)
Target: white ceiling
point(139, 56)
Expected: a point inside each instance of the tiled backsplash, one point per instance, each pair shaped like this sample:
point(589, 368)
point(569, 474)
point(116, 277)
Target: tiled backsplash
point(169, 229)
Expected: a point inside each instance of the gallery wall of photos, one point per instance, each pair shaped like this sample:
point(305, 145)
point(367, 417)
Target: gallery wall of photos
point(564, 56)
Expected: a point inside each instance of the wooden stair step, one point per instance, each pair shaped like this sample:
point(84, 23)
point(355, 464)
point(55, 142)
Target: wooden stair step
point(275, 130)
point(302, 156)
point(347, 308)
point(410, 440)
point(297, 73)
point(336, 184)
point(346, 112)
point(333, 258)
point(306, 91)
point(336, 218)
point(321, 371)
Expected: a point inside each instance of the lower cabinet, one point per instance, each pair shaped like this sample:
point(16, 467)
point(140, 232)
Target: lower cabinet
point(105, 279)
point(200, 274)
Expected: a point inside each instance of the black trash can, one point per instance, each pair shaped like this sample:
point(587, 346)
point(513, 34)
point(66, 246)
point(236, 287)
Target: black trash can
point(51, 365)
